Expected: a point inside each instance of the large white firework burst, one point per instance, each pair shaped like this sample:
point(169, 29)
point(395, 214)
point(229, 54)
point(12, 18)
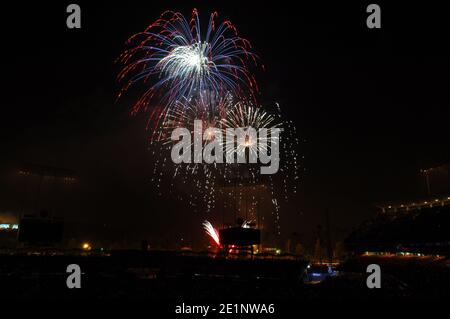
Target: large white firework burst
point(176, 60)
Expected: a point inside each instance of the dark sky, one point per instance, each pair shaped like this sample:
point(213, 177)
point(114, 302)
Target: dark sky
point(372, 106)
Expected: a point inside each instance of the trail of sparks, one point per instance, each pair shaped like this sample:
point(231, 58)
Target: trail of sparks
point(212, 232)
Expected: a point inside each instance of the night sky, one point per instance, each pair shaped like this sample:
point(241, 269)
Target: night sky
point(371, 105)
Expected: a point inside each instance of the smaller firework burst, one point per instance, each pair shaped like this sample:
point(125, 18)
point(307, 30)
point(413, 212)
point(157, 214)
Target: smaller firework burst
point(244, 115)
point(202, 179)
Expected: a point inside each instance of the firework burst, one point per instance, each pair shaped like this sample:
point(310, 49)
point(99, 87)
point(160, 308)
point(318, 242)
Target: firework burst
point(208, 182)
point(190, 75)
point(246, 116)
point(181, 62)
